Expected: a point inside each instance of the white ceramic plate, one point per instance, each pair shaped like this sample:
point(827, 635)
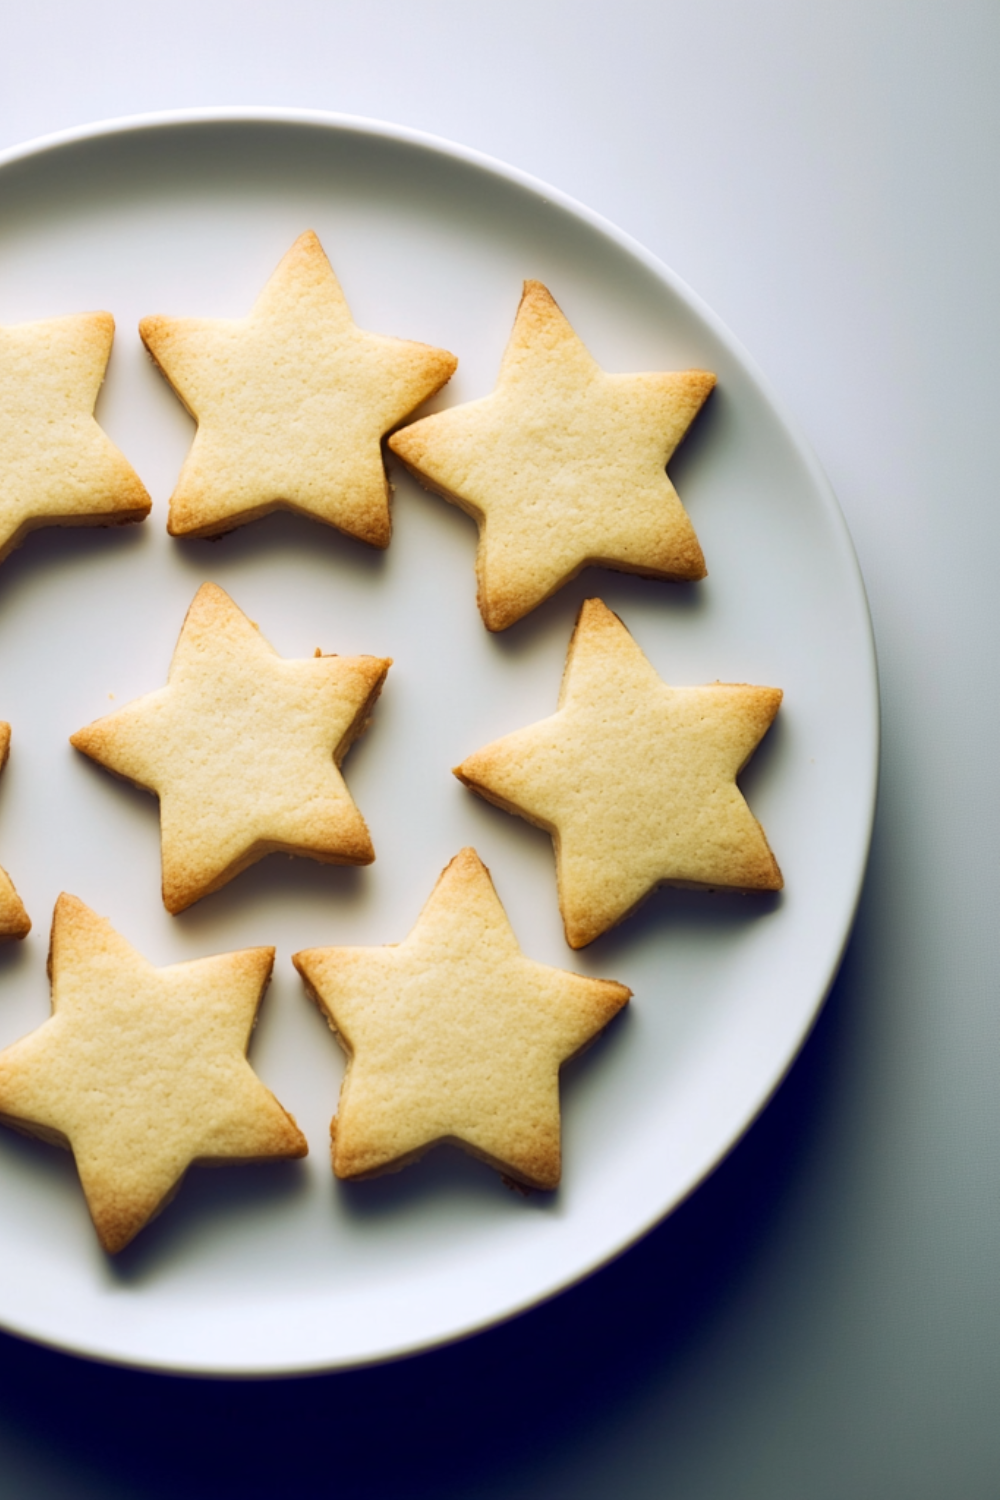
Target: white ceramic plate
point(278, 1268)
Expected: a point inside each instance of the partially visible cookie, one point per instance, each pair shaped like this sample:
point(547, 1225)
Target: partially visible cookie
point(243, 749)
point(635, 780)
point(563, 465)
point(142, 1071)
point(292, 403)
point(14, 920)
point(454, 1035)
point(57, 468)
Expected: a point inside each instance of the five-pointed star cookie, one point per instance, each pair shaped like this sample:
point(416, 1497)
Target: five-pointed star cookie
point(57, 468)
point(243, 749)
point(291, 403)
point(454, 1035)
point(143, 1071)
point(563, 465)
point(14, 920)
point(635, 780)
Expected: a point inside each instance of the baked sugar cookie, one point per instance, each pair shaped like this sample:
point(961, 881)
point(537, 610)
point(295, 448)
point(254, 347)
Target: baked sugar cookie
point(635, 780)
point(292, 403)
point(142, 1071)
point(454, 1035)
point(57, 468)
point(563, 465)
point(14, 920)
point(243, 749)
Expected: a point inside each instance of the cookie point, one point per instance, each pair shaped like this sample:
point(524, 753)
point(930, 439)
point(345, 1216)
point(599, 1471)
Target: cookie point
point(68, 905)
point(534, 290)
point(466, 860)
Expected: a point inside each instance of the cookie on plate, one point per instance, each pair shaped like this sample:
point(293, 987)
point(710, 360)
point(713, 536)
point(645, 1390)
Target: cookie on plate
point(243, 749)
point(14, 920)
point(563, 465)
point(635, 780)
point(292, 403)
point(454, 1035)
point(57, 467)
point(142, 1072)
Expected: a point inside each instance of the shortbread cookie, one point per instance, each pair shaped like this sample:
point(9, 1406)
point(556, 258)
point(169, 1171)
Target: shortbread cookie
point(291, 403)
point(454, 1035)
point(57, 468)
point(243, 750)
point(14, 920)
point(142, 1071)
point(635, 780)
point(562, 466)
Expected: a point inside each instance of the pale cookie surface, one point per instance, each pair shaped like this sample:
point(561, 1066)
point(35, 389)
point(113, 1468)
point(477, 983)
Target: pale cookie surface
point(57, 468)
point(291, 403)
point(563, 465)
point(454, 1035)
point(14, 920)
point(142, 1071)
point(635, 780)
point(243, 749)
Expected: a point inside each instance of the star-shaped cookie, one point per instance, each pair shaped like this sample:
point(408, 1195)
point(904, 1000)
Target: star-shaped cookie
point(454, 1035)
point(14, 920)
point(635, 780)
point(143, 1071)
point(57, 468)
point(291, 403)
point(243, 749)
point(563, 465)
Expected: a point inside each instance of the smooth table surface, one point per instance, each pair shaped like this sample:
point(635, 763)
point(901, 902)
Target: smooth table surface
point(820, 1319)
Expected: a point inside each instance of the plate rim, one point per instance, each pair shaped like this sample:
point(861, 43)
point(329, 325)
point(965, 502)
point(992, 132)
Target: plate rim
point(334, 122)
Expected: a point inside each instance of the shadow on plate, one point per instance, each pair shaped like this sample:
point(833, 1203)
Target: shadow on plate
point(53, 550)
point(283, 536)
point(208, 1196)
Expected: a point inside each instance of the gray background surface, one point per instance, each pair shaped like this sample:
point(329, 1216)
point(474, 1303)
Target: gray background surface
point(821, 1319)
